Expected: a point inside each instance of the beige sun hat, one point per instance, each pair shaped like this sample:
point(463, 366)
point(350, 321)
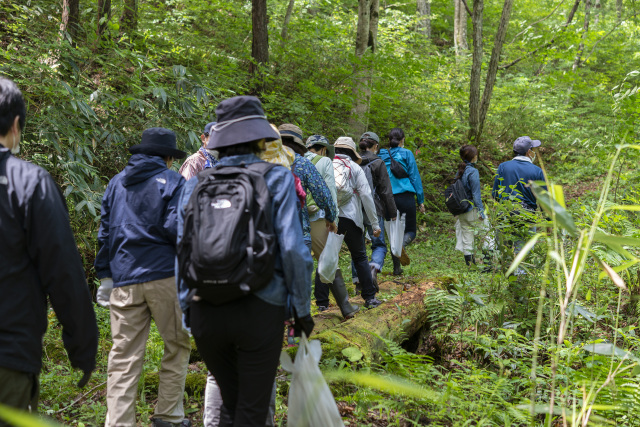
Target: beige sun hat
point(288, 130)
point(347, 142)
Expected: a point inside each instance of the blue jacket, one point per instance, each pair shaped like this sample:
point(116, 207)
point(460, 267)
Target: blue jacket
point(513, 176)
point(471, 182)
point(292, 278)
point(413, 184)
point(138, 227)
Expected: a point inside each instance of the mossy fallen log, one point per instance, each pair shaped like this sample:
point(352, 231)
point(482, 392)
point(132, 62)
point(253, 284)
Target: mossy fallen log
point(397, 319)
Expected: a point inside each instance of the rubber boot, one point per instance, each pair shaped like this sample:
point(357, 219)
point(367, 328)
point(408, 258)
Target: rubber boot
point(339, 291)
point(469, 259)
point(397, 267)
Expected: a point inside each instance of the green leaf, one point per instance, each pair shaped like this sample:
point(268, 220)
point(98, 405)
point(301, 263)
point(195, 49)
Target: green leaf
point(575, 308)
point(608, 239)
point(636, 370)
point(523, 253)
point(608, 349)
point(388, 384)
point(352, 353)
point(18, 418)
point(588, 296)
point(635, 208)
point(552, 207)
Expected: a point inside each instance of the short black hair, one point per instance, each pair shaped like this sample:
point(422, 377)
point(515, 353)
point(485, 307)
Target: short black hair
point(11, 105)
point(252, 147)
point(288, 141)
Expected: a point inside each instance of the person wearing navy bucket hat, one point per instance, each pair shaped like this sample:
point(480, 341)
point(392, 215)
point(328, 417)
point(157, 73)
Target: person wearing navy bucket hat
point(135, 264)
point(239, 327)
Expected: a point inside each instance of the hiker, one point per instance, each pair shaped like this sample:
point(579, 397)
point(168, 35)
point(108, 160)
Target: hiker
point(406, 186)
point(240, 339)
point(353, 194)
point(512, 182)
point(467, 223)
point(135, 264)
point(39, 259)
point(201, 159)
point(318, 147)
point(312, 182)
point(374, 167)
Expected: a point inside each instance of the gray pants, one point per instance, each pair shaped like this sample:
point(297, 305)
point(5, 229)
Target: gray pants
point(213, 404)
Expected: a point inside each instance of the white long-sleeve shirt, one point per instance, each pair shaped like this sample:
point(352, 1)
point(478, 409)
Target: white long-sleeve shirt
point(361, 198)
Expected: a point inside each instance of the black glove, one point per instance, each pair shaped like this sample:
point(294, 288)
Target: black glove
point(303, 324)
point(85, 379)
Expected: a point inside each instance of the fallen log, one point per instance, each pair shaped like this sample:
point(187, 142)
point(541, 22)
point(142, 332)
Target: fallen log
point(397, 319)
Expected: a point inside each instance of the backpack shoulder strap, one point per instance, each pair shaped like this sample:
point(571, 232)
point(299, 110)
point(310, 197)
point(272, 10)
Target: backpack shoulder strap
point(316, 159)
point(261, 167)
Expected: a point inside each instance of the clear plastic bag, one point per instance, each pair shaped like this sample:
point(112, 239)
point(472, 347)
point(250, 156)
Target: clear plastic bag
point(328, 262)
point(311, 403)
point(395, 232)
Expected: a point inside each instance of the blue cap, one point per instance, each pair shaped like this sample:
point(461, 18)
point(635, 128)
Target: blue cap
point(207, 128)
point(523, 144)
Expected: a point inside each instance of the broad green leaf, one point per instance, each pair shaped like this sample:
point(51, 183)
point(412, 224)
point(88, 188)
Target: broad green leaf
point(18, 418)
point(613, 272)
point(635, 208)
point(575, 308)
point(616, 240)
point(588, 296)
point(352, 353)
point(552, 207)
point(636, 370)
point(388, 384)
point(523, 253)
point(608, 349)
point(558, 194)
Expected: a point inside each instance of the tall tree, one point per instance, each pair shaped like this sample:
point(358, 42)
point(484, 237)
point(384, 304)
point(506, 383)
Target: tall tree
point(104, 15)
point(424, 21)
point(460, 26)
point(129, 18)
point(287, 18)
point(478, 109)
point(619, 9)
point(585, 30)
point(260, 34)
point(69, 23)
point(366, 44)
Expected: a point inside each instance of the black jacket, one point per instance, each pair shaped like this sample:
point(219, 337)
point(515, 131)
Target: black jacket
point(39, 258)
point(383, 195)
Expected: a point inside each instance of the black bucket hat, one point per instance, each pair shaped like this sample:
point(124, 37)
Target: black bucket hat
point(240, 119)
point(158, 142)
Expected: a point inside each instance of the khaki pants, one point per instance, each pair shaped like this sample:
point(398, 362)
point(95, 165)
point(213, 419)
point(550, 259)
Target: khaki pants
point(319, 234)
point(132, 308)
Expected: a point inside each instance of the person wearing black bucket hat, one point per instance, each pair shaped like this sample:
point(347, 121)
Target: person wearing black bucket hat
point(135, 263)
point(240, 340)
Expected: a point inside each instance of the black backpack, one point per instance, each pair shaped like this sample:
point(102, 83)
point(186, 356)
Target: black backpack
point(456, 198)
point(397, 169)
point(228, 245)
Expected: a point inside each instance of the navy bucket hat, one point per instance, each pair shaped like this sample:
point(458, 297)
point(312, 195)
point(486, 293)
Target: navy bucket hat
point(158, 142)
point(241, 119)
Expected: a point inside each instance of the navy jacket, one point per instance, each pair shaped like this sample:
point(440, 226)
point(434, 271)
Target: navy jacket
point(517, 173)
point(138, 227)
point(471, 182)
point(39, 259)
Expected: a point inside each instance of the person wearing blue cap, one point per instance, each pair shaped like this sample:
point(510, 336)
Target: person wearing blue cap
point(513, 176)
point(201, 159)
point(512, 183)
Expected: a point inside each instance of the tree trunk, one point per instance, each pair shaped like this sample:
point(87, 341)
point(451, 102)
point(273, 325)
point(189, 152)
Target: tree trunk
point(596, 18)
point(287, 18)
point(260, 33)
point(104, 15)
point(129, 19)
point(460, 27)
point(366, 35)
point(70, 13)
point(619, 9)
point(492, 71)
point(585, 31)
point(476, 71)
point(424, 23)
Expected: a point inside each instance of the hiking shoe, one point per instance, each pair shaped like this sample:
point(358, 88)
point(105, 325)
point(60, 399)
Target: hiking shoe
point(374, 278)
point(322, 308)
point(372, 303)
point(157, 422)
point(404, 258)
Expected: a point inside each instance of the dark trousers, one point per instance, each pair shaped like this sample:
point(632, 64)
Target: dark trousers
point(18, 390)
point(240, 343)
point(406, 204)
point(353, 237)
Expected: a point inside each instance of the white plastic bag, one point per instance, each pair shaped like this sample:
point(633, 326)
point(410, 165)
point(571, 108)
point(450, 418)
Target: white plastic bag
point(311, 403)
point(328, 262)
point(395, 233)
